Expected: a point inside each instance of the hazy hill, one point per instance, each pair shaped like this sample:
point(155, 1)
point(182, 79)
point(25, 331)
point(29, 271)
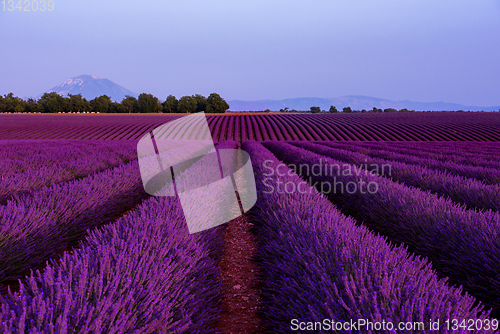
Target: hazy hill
point(356, 102)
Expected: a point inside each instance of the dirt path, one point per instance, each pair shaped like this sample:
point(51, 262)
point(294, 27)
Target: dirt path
point(239, 276)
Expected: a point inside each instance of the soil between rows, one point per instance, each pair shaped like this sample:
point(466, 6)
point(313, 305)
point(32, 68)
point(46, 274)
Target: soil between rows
point(240, 283)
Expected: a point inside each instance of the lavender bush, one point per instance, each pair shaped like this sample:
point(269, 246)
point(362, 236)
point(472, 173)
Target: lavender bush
point(18, 156)
point(481, 157)
point(470, 192)
point(318, 264)
point(36, 227)
point(462, 244)
point(46, 164)
point(478, 148)
point(142, 274)
point(486, 175)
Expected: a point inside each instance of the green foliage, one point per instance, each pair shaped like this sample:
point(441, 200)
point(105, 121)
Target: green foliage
point(117, 108)
point(129, 104)
point(170, 104)
point(187, 104)
point(347, 110)
point(147, 103)
point(32, 106)
point(201, 102)
point(77, 103)
point(216, 104)
point(315, 110)
point(333, 109)
point(52, 103)
point(12, 104)
point(101, 104)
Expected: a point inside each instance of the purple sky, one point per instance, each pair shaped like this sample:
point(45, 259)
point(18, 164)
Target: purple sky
point(420, 50)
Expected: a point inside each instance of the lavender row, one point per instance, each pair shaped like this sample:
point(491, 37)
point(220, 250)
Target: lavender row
point(318, 264)
point(143, 274)
point(72, 164)
point(465, 146)
point(462, 244)
point(18, 156)
point(443, 148)
point(451, 154)
point(438, 151)
point(482, 148)
point(473, 193)
point(487, 175)
point(476, 155)
point(38, 226)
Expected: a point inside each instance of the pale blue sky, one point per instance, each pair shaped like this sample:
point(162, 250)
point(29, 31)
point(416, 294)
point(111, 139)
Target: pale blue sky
point(420, 50)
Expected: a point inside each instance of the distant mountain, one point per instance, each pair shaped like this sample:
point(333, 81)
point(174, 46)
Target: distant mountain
point(356, 102)
point(91, 87)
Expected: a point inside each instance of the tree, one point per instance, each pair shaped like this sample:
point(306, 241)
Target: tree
point(10, 103)
point(129, 104)
point(147, 103)
point(333, 109)
point(201, 102)
point(170, 104)
point(216, 104)
point(117, 108)
point(187, 104)
point(77, 103)
point(52, 102)
point(390, 110)
point(347, 110)
point(4, 102)
point(33, 106)
point(101, 104)
point(315, 110)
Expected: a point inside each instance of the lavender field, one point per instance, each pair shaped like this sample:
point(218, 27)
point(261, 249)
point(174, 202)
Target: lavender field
point(375, 219)
point(259, 127)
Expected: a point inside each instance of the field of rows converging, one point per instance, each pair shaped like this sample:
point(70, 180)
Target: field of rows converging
point(360, 223)
point(260, 127)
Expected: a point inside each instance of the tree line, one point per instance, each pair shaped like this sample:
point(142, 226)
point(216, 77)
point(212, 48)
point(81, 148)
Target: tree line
point(145, 103)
